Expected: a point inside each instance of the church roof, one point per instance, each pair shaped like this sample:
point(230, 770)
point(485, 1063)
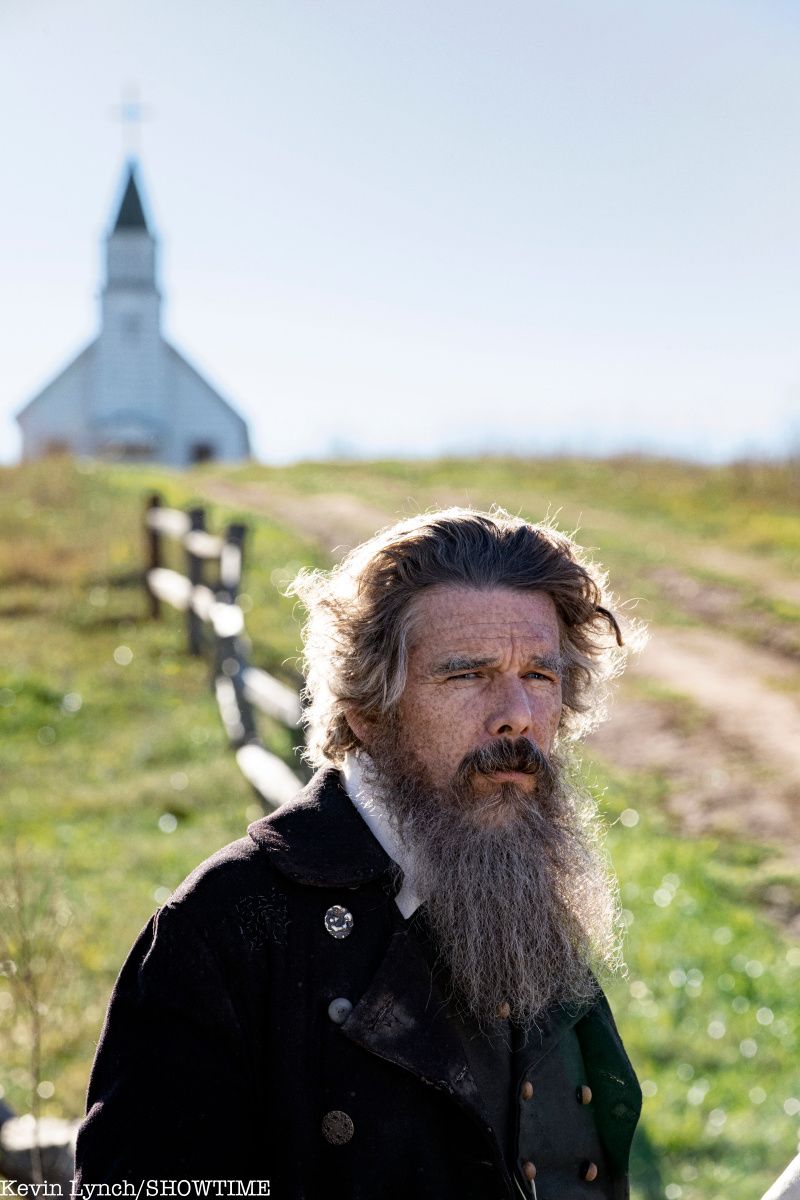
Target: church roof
point(131, 213)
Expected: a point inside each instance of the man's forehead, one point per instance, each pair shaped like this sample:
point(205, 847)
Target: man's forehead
point(448, 617)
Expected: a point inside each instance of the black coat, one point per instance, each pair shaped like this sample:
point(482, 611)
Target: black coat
point(219, 1059)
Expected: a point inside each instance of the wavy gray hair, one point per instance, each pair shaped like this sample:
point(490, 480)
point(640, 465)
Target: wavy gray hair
point(360, 616)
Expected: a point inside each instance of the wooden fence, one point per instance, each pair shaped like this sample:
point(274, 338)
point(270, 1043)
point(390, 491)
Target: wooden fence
point(208, 595)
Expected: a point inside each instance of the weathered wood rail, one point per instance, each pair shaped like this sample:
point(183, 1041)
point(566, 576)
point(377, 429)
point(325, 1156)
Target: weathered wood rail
point(37, 1152)
point(211, 607)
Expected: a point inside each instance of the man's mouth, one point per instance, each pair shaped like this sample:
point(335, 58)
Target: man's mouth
point(506, 761)
point(507, 776)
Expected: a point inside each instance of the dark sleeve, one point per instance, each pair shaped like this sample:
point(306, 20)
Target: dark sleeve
point(171, 1090)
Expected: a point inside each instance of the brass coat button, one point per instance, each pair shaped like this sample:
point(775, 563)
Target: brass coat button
point(504, 1011)
point(339, 1010)
point(529, 1171)
point(527, 1090)
point(584, 1094)
point(338, 921)
point(589, 1171)
point(337, 1127)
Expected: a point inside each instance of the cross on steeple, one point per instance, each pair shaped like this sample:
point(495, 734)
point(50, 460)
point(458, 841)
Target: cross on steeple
point(130, 113)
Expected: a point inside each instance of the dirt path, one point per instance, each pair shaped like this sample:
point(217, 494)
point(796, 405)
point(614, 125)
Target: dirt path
point(757, 570)
point(335, 521)
point(737, 683)
point(722, 732)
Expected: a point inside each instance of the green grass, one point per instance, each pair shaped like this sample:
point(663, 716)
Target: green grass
point(113, 797)
point(709, 1011)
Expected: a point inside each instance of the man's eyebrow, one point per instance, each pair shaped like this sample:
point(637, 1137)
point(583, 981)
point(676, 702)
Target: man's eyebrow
point(463, 662)
point(548, 662)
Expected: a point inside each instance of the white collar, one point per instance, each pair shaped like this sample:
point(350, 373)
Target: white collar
point(373, 811)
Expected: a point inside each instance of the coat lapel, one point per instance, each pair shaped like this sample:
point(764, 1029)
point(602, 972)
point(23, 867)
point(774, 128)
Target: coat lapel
point(613, 1081)
point(403, 1018)
point(543, 1038)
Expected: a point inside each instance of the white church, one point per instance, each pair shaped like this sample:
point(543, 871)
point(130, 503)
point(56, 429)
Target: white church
point(129, 395)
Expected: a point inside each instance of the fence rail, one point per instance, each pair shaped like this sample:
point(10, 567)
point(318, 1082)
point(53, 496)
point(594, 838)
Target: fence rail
point(240, 688)
point(38, 1153)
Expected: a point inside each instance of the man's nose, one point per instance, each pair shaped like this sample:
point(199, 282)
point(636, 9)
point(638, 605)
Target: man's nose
point(511, 714)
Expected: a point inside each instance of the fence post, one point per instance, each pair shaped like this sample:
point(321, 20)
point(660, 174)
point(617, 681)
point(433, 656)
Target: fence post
point(153, 540)
point(230, 659)
point(194, 570)
point(230, 562)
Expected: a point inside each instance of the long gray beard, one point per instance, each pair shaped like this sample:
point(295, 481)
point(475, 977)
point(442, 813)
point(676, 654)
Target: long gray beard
point(522, 911)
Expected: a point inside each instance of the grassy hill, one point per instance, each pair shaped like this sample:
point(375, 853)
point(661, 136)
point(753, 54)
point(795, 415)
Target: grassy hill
point(117, 780)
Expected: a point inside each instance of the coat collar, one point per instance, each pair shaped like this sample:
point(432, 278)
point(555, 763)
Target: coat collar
point(320, 839)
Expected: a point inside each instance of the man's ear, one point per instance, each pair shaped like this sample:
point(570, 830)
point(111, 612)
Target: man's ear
point(359, 724)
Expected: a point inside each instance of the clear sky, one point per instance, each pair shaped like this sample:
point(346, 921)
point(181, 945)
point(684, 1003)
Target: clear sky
point(412, 226)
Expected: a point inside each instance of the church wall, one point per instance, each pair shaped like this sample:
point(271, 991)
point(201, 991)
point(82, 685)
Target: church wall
point(201, 416)
point(130, 368)
point(57, 417)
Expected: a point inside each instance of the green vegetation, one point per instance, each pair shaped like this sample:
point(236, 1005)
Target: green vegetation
point(709, 1010)
point(118, 780)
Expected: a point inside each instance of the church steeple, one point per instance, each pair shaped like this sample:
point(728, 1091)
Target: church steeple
point(129, 347)
point(130, 245)
point(131, 213)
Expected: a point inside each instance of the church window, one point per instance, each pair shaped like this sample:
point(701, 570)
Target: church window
point(127, 450)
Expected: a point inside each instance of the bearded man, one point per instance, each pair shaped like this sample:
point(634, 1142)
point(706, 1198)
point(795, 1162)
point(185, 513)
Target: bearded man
point(388, 989)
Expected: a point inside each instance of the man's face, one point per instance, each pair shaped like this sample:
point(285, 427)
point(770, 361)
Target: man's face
point(484, 665)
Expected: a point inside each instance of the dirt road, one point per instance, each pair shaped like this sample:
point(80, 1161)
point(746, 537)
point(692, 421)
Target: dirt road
point(725, 730)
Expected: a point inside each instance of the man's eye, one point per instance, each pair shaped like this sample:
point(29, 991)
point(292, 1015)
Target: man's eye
point(465, 675)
